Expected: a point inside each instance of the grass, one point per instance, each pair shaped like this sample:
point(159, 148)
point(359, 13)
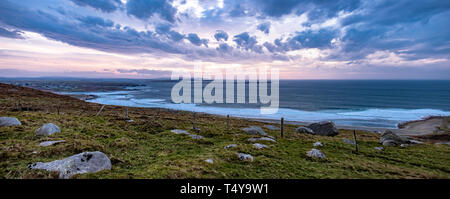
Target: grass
point(146, 148)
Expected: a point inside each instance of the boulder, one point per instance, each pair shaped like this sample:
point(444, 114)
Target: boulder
point(348, 141)
point(245, 157)
point(179, 131)
point(379, 148)
point(272, 127)
point(196, 136)
point(304, 130)
point(260, 146)
point(324, 128)
point(230, 146)
point(317, 144)
point(86, 162)
point(261, 139)
point(48, 129)
point(9, 121)
point(255, 130)
point(315, 153)
point(391, 139)
point(48, 143)
point(210, 161)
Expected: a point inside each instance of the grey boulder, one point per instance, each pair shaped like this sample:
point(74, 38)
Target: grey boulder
point(391, 139)
point(86, 162)
point(230, 146)
point(304, 130)
point(245, 157)
point(316, 144)
point(272, 127)
point(324, 128)
point(348, 141)
point(48, 129)
point(260, 146)
point(48, 143)
point(255, 130)
point(315, 153)
point(9, 121)
point(261, 139)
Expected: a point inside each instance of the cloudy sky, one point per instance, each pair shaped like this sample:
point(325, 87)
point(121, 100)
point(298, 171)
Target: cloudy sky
point(305, 39)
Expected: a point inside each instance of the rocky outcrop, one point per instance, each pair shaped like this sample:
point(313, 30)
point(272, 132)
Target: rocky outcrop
point(9, 121)
point(48, 129)
point(348, 141)
point(324, 128)
point(87, 162)
point(255, 130)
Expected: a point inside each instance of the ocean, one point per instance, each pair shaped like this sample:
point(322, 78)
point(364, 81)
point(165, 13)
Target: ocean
point(365, 103)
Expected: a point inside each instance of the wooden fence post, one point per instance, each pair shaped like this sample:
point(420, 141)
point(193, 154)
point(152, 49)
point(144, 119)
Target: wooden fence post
point(282, 127)
point(356, 142)
point(228, 123)
point(98, 113)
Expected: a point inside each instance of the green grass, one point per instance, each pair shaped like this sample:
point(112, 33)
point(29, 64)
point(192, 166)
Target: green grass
point(147, 149)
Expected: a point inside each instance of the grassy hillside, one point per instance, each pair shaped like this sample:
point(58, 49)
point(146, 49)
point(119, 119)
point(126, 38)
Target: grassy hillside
point(146, 148)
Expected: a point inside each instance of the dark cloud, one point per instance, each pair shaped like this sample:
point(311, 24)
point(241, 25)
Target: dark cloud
point(247, 42)
point(125, 40)
point(15, 34)
point(166, 29)
point(221, 35)
point(224, 48)
point(264, 27)
point(96, 21)
point(194, 39)
point(103, 5)
point(144, 9)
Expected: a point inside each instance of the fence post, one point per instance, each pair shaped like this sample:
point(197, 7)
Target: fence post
point(282, 127)
point(228, 123)
point(356, 142)
point(98, 113)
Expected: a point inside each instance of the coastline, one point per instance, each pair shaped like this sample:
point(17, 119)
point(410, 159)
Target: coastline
point(425, 127)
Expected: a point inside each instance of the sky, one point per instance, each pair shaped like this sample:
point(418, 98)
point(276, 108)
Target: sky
point(304, 39)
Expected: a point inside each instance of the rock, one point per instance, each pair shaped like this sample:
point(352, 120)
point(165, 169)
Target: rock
point(230, 146)
point(379, 148)
point(87, 162)
point(261, 139)
point(48, 143)
point(196, 136)
point(315, 153)
point(404, 145)
point(245, 157)
point(255, 130)
point(324, 128)
point(348, 141)
point(9, 121)
point(317, 144)
point(210, 161)
point(304, 130)
point(130, 121)
point(388, 138)
point(415, 142)
point(179, 131)
point(48, 129)
point(260, 146)
point(272, 127)
point(447, 143)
